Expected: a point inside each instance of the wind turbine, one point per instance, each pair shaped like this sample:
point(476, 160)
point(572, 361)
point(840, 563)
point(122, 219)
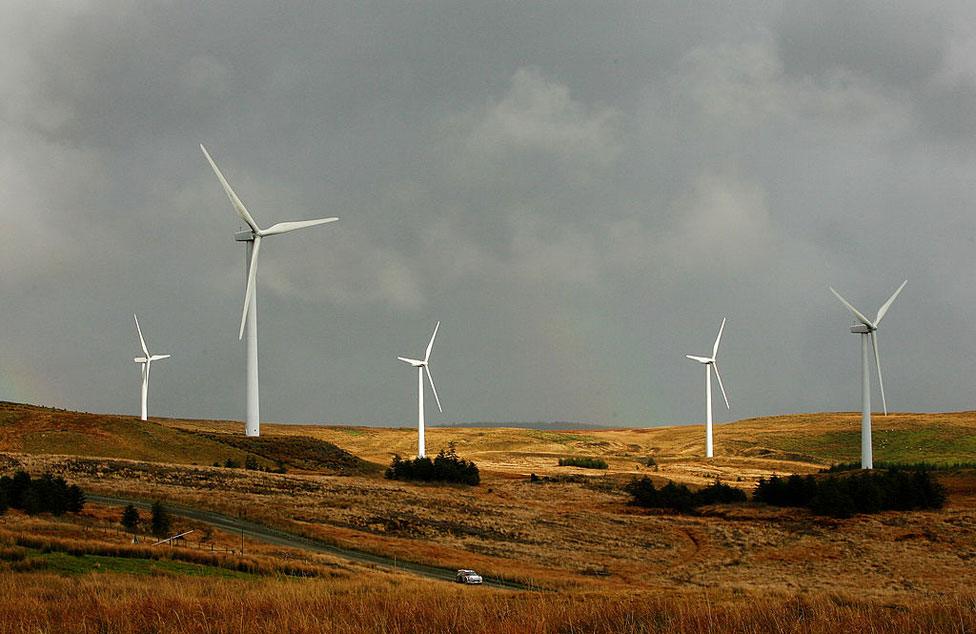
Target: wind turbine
point(146, 362)
point(249, 316)
point(421, 368)
point(869, 329)
point(709, 363)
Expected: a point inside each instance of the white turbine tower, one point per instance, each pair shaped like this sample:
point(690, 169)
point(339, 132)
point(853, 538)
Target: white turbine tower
point(253, 236)
point(869, 329)
point(146, 362)
point(709, 363)
point(421, 369)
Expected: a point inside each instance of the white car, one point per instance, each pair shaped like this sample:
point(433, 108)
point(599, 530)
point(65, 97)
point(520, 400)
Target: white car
point(468, 577)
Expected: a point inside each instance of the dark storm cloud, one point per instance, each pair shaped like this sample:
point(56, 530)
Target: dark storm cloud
point(579, 192)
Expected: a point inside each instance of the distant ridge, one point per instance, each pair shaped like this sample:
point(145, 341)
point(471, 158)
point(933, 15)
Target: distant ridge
point(542, 426)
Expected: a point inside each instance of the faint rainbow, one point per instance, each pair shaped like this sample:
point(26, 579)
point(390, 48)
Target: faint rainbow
point(19, 385)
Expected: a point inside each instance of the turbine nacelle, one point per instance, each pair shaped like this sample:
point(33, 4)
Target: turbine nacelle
point(255, 234)
point(146, 362)
point(417, 363)
point(868, 327)
point(148, 358)
point(713, 361)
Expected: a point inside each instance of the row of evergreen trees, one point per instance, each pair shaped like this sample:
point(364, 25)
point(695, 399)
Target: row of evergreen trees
point(865, 492)
point(678, 497)
point(47, 494)
point(446, 467)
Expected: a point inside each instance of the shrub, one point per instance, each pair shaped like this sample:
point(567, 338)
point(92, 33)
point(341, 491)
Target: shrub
point(584, 462)
point(230, 463)
point(250, 463)
point(445, 467)
point(793, 491)
point(832, 500)
point(861, 492)
point(914, 466)
point(679, 497)
point(718, 493)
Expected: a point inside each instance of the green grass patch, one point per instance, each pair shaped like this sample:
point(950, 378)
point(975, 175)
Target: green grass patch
point(555, 437)
point(584, 462)
point(934, 445)
point(63, 563)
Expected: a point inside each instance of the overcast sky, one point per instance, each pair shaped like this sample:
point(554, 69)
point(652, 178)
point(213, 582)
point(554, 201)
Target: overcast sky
point(579, 191)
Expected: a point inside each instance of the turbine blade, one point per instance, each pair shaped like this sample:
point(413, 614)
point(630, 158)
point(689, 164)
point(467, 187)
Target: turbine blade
point(234, 200)
point(877, 359)
point(285, 227)
point(434, 389)
point(252, 272)
point(698, 359)
point(718, 339)
point(884, 308)
point(413, 362)
point(721, 387)
point(861, 318)
point(431, 344)
point(142, 341)
point(157, 357)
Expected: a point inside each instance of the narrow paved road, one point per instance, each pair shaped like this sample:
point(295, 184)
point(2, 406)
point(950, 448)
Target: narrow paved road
point(270, 535)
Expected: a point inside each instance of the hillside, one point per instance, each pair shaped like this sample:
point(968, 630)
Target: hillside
point(745, 450)
point(40, 430)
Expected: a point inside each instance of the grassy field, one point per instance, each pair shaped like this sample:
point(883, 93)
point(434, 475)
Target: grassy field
point(605, 566)
point(127, 604)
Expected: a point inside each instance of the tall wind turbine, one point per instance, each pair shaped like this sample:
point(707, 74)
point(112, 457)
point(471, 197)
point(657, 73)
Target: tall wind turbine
point(869, 329)
point(146, 362)
point(709, 363)
point(249, 317)
point(421, 369)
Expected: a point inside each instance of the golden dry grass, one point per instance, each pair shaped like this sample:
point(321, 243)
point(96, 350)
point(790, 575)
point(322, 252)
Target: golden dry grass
point(576, 536)
point(39, 602)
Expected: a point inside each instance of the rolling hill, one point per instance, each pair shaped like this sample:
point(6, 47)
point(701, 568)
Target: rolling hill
point(40, 430)
point(745, 449)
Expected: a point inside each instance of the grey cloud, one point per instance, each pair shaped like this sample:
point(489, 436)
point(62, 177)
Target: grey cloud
point(579, 193)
